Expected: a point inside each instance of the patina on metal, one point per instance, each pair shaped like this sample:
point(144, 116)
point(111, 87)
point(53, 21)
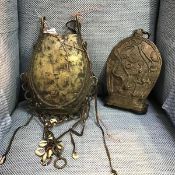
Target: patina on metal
point(133, 67)
point(59, 77)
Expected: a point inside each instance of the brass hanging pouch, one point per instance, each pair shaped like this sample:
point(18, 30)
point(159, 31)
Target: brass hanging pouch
point(59, 85)
point(133, 67)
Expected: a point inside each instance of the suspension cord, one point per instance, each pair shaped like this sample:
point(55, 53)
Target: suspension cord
point(114, 172)
point(3, 157)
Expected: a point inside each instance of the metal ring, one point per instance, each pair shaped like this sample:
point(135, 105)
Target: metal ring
point(60, 166)
point(24, 87)
point(25, 95)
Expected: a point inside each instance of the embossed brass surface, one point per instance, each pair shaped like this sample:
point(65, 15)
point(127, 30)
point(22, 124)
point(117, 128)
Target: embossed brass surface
point(132, 70)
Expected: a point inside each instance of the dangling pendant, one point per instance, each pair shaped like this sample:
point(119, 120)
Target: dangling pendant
point(132, 71)
point(75, 155)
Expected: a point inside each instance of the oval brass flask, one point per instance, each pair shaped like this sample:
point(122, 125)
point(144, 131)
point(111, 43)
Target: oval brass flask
point(59, 77)
point(132, 70)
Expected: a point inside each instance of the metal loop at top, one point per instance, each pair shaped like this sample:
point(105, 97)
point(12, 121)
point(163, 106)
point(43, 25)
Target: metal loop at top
point(74, 26)
point(141, 32)
point(42, 20)
point(43, 24)
point(146, 33)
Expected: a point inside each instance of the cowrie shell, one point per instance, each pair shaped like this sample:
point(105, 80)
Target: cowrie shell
point(49, 153)
point(50, 137)
point(61, 144)
point(44, 158)
point(75, 155)
point(2, 159)
point(60, 147)
point(39, 152)
point(42, 143)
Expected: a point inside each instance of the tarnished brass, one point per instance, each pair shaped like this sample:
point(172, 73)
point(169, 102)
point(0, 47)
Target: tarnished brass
point(59, 77)
point(132, 70)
